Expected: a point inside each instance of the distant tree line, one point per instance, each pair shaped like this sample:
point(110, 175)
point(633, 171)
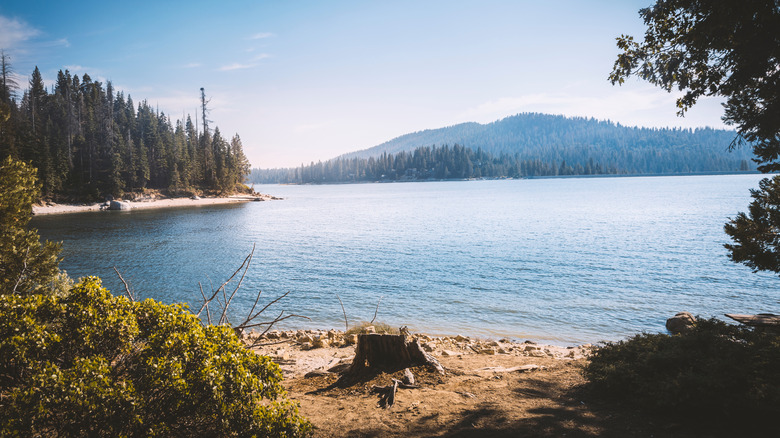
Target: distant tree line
point(88, 140)
point(524, 145)
point(437, 163)
point(425, 163)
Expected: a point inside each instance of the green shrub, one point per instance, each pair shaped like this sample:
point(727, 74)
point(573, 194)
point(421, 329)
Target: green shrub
point(98, 365)
point(715, 370)
point(26, 265)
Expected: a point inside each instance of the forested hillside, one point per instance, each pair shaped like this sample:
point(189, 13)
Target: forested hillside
point(88, 140)
point(527, 145)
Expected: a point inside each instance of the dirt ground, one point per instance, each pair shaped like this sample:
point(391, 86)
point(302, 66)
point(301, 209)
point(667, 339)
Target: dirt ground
point(480, 395)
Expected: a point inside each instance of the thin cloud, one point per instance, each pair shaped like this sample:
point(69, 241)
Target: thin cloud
point(243, 66)
point(192, 65)
point(236, 66)
point(13, 32)
point(261, 35)
point(62, 42)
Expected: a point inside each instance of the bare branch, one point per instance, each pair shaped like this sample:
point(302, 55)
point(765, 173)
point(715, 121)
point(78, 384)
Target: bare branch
point(127, 288)
point(271, 323)
point(266, 307)
point(346, 324)
point(222, 287)
point(205, 303)
point(249, 315)
point(24, 268)
point(247, 262)
point(377, 309)
point(224, 302)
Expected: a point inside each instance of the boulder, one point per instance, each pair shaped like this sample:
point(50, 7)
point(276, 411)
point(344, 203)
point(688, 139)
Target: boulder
point(119, 205)
point(680, 323)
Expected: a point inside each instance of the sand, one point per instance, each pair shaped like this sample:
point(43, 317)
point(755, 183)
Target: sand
point(52, 208)
point(489, 389)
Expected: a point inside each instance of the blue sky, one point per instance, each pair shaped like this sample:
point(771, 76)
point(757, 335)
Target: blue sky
point(303, 81)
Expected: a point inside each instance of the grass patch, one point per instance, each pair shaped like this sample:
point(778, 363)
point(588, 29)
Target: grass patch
point(379, 327)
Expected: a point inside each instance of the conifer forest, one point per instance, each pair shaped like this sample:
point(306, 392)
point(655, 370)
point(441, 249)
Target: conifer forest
point(88, 140)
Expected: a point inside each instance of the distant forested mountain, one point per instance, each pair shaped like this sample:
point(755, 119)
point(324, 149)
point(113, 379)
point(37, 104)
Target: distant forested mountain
point(527, 144)
point(88, 140)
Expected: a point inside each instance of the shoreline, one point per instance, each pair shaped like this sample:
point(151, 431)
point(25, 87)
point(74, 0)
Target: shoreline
point(312, 352)
point(54, 208)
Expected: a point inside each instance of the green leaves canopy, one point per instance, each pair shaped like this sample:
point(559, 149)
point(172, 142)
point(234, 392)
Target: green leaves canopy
point(757, 236)
point(94, 364)
point(26, 264)
point(715, 48)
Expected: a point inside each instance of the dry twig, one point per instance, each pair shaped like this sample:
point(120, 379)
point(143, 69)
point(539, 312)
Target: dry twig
point(346, 325)
point(223, 305)
point(377, 309)
point(127, 288)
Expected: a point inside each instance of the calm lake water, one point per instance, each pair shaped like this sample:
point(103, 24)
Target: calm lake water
point(558, 260)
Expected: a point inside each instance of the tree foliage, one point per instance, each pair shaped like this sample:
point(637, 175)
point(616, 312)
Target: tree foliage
point(729, 49)
point(87, 363)
point(26, 265)
point(94, 364)
point(88, 140)
point(757, 235)
point(719, 48)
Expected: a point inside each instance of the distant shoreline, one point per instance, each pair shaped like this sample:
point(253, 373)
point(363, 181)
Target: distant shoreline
point(507, 178)
point(53, 208)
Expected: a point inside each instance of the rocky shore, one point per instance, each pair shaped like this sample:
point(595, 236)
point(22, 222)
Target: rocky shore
point(302, 352)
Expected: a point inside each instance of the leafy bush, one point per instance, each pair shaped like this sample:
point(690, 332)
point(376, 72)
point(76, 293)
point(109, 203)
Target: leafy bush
point(715, 370)
point(93, 364)
point(26, 264)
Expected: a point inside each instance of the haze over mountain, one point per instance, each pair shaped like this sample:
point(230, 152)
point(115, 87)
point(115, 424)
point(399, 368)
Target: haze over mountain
point(528, 144)
point(577, 139)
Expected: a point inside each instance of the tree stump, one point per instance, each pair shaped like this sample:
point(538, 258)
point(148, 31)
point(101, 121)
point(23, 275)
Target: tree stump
point(390, 353)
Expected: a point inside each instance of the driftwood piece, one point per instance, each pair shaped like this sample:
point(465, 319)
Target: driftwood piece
point(390, 352)
point(408, 377)
point(386, 394)
point(760, 320)
point(520, 368)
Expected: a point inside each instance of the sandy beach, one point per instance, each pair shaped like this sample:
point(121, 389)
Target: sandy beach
point(490, 388)
point(53, 208)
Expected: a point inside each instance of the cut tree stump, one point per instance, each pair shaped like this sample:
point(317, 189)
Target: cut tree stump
point(390, 353)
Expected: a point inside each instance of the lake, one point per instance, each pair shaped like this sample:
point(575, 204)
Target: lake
point(564, 261)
